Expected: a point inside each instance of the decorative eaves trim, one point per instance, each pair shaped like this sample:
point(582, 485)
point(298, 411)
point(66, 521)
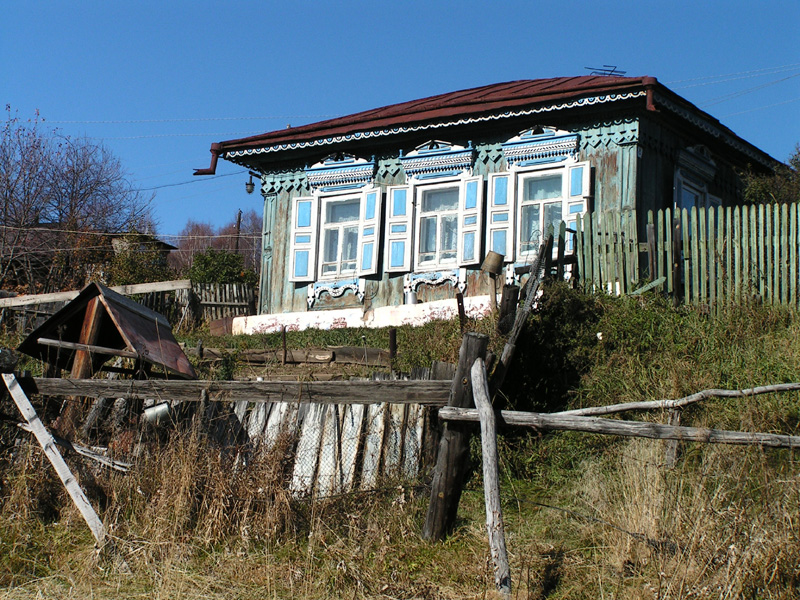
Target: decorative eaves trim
point(341, 170)
point(714, 130)
point(436, 158)
point(547, 145)
point(362, 135)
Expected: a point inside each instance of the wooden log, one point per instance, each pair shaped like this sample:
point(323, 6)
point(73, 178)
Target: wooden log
point(453, 456)
point(87, 348)
point(626, 428)
point(508, 307)
point(48, 444)
point(432, 393)
point(681, 402)
point(491, 480)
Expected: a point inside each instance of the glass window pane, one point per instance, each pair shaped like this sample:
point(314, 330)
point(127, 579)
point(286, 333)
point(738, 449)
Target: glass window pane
point(350, 244)
point(342, 212)
point(427, 235)
point(529, 228)
point(552, 215)
point(448, 237)
point(331, 246)
point(543, 188)
point(439, 200)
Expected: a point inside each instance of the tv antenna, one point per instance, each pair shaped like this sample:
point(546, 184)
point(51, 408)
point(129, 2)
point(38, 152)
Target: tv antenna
point(606, 71)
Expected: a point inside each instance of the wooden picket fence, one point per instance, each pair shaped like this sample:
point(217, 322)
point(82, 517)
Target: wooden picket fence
point(714, 256)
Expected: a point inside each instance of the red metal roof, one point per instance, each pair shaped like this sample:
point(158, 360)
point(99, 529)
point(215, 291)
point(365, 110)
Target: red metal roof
point(484, 99)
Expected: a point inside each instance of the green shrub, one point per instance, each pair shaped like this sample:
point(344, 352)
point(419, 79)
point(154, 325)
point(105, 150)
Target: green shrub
point(220, 266)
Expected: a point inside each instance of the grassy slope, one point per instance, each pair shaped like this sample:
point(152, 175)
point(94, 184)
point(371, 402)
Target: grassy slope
point(586, 516)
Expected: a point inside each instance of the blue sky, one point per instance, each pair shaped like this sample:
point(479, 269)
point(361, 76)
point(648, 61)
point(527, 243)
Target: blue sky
point(158, 82)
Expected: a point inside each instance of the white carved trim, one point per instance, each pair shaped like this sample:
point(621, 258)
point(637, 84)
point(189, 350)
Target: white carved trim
point(336, 289)
point(456, 277)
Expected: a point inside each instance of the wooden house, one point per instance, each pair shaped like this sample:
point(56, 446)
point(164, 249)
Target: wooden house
point(378, 218)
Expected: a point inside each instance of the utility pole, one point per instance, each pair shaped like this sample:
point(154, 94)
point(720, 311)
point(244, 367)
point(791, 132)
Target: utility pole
point(238, 228)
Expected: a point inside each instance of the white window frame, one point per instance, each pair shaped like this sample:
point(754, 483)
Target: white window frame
point(324, 202)
point(468, 217)
point(573, 201)
point(438, 262)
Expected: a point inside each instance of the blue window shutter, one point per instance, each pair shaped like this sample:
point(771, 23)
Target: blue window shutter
point(369, 235)
point(304, 239)
point(399, 214)
point(501, 215)
point(470, 226)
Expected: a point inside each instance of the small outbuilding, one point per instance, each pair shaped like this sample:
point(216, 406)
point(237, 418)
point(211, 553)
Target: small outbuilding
point(100, 324)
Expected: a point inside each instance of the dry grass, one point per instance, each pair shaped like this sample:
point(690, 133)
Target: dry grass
point(586, 516)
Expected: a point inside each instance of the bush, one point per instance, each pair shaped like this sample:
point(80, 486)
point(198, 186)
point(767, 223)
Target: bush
point(220, 266)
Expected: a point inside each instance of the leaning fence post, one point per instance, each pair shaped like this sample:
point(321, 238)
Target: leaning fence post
point(491, 480)
point(48, 444)
point(453, 456)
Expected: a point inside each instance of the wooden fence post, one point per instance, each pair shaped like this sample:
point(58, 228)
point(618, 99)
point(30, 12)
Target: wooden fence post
point(491, 480)
point(453, 455)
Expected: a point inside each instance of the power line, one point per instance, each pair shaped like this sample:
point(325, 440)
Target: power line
point(741, 112)
point(733, 95)
point(192, 120)
point(747, 74)
point(167, 185)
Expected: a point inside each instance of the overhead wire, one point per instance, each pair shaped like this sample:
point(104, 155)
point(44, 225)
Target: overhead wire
point(735, 76)
point(734, 95)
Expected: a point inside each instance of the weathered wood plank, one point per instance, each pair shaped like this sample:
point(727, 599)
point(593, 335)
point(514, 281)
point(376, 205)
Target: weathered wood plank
point(48, 444)
point(702, 266)
point(793, 250)
point(87, 348)
point(776, 255)
point(453, 455)
point(784, 246)
point(625, 428)
point(694, 253)
point(722, 267)
point(433, 393)
point(491, 479)
point(127, 290)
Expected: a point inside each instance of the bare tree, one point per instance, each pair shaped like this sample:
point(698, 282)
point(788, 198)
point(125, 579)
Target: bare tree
point(197, 237)
point(193, 238)
point(60, 199)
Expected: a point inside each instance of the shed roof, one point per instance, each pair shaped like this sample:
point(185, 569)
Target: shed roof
point(126, 329)
point(498, 99)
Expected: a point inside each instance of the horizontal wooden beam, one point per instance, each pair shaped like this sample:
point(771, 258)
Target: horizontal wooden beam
point(127, 290)
point(87, 348)
point(626, 428)
point(431, 393)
